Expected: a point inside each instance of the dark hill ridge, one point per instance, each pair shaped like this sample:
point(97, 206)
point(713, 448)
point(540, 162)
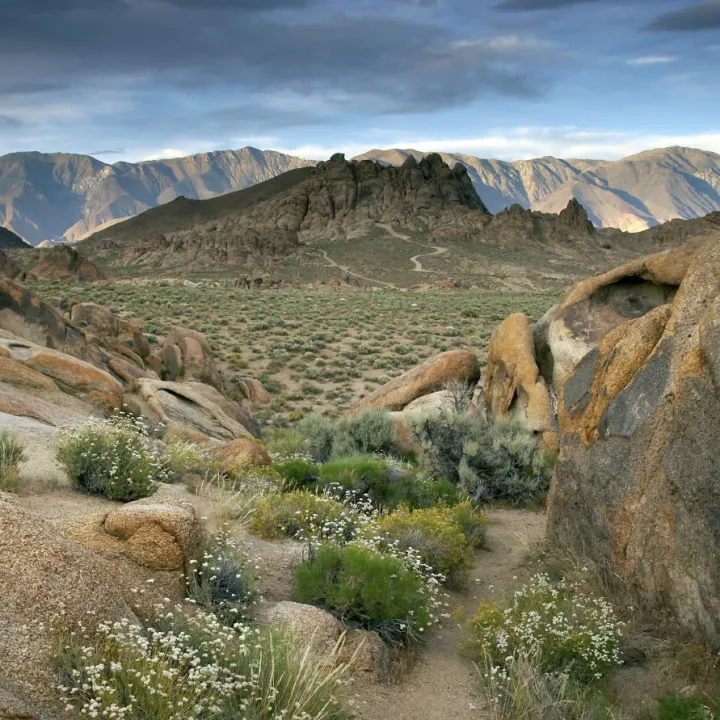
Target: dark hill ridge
point(9, 240)
point(335, 200)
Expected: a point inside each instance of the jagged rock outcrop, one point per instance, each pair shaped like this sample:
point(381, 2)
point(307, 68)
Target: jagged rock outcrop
point(636, 485)
point(428, 377)
point(63, 262)
point(596, 306)
point(513, 386)
point(334, 200)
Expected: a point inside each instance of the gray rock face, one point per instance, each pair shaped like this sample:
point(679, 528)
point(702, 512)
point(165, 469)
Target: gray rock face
point(636, 487)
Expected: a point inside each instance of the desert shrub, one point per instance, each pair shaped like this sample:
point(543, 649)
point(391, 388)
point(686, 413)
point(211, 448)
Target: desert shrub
point(367, 589)
point(487, 461)
point(297, 473)
point(370, 432)
point(687, 707)
point(301, 514)
point(319, 433)
point(524, 691)
point(229, 503)
point(436, 536)
point(12, 453)
point(221, 582)
point(115, 458)
point(183, 666)
point(182, 457)
point(565, 631)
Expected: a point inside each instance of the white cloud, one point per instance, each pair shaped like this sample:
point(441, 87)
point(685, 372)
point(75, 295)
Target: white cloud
point(652, 60)
point(527, 142)
point(261, 141)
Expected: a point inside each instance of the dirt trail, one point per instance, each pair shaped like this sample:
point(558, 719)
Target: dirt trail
point(442, 685)
point(437, 249)
point(347, 271)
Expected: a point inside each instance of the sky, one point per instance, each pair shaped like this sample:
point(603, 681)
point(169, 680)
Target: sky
point(128, 80)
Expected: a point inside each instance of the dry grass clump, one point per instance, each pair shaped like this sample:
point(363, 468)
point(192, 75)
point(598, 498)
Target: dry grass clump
point(12, 453)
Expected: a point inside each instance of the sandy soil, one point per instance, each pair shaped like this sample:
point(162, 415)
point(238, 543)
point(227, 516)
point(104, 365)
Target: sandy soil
point(442, 685)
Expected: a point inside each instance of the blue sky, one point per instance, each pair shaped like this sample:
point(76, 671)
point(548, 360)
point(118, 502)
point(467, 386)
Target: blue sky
point(510, 79)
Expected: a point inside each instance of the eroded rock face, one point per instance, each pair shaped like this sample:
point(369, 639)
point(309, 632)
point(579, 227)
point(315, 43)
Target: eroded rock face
point(118, 333)
point(64, 263)
point(426, 378)
point(636, 487)
point(187, 356)
point(596, 306)
point(513, 387)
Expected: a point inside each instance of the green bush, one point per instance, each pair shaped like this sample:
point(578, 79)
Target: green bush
point(115, 458)
point(221, 582)
point(564, 630)
point(487, 461)
point(189, 665)
point(686, 707)
point(12, 453)
point(181, 458)
point(371, 432)
point(366, 589)
point(297, 473)
point(437, 536)
point(302, 514)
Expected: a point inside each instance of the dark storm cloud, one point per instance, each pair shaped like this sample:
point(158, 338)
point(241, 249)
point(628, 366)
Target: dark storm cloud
point(530, 5)
point(704, 16)
point(393, 65)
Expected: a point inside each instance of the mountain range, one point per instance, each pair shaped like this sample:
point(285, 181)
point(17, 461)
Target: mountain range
point(51, 197)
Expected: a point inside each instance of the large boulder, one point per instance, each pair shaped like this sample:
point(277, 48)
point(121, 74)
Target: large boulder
point(44, 371)
point(239, 453)
point(636, 485)
point(120, 334)
point(7, 267)
point(368, 657)
point(44, 575)
point(513, 387)
point(64, 263)
point(187, 356)
point(596, 306)
point(194, 405)
point(426, 378)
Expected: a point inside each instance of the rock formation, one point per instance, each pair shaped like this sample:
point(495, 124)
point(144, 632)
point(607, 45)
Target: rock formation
point(513, 386)
point(571, 329)
point(332, 201)
point(55, 369)
point(64, 263)
point(428, 377)
point(8, 268)
point(636, 485)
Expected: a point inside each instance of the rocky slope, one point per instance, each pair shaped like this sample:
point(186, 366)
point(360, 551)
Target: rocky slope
point(9, 240)
point(631, 194)
point(63, 196)
point(336, 200)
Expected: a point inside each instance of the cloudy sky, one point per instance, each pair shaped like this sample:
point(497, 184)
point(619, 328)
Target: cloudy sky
point(135, 79)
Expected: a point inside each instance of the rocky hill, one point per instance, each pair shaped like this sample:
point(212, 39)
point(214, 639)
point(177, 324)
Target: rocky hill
point(334, 201)
point(631, 194)
point(64, 196)
point(9, 240)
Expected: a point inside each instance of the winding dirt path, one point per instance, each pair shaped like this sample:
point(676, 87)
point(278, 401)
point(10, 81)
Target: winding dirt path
point(442, 685)
point(437, 249)
point(347, 271)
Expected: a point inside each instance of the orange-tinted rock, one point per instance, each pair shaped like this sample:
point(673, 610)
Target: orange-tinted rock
point(430, 376)
point(596, 306)
point(514, 389)
point(243, 451)
point(187, 356)
point(636, 487)
point(119, 334)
